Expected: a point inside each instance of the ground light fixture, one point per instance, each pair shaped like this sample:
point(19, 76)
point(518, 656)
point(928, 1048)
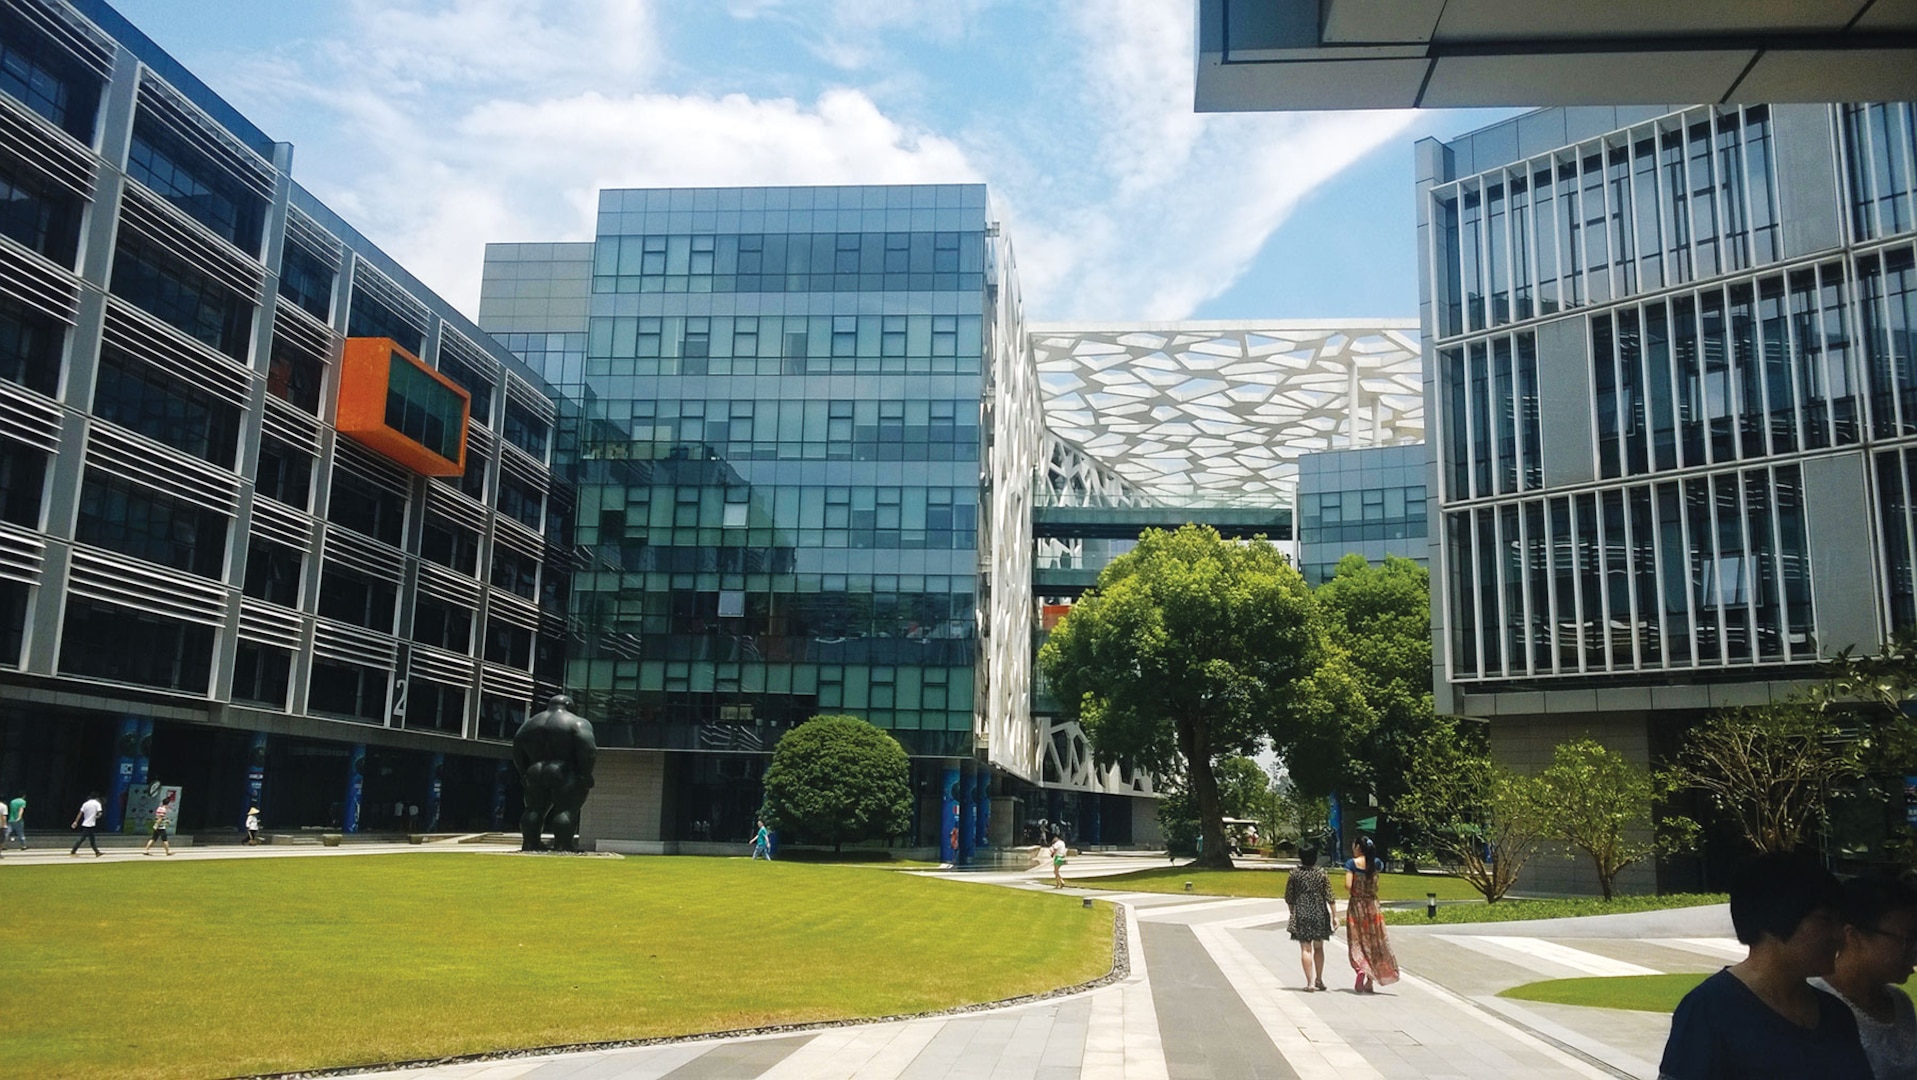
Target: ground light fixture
point(1430, 905)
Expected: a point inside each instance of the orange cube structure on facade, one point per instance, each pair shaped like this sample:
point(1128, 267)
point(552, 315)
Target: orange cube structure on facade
point(393, 404)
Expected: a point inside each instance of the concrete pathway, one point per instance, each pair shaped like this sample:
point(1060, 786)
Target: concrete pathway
point(1214, 993)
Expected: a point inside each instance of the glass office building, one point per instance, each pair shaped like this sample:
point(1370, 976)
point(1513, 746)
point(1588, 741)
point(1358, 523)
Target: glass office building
point(804, 426)
point(1671, 350)
point(1367, 501)
point(203, 581)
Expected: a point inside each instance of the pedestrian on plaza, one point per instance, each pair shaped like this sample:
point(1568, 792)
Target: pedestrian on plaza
point(6, 822)
point(1308, 895)
point(1364, 924)
point(1759, 1018)
point(1056, 849)
point(88, 822)
point(17, 821)
point(762, 842)
point(253, 825)
point(1880, 947)
point(160, 814)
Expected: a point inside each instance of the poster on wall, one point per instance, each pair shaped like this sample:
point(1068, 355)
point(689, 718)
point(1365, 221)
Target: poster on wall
point(140, 802)
point(1910, 801)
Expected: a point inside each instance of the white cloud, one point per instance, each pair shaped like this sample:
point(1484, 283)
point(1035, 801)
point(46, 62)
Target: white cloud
point(510, 115)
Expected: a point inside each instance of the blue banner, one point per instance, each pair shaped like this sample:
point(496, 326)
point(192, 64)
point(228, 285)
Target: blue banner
point(968, 816)
point(982, 837)
point(255, 772)
point(126, 747)
point(949, 815)
point(355, 787)
point(432, 793)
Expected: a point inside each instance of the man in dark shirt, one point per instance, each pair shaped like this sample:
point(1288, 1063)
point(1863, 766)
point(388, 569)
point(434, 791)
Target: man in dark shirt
point(1759, 1018)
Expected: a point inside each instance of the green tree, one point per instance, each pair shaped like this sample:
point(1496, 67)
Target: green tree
point(1483, 821)
point(838, 778)
point(1600, 803)
point(1771, 770)
point(1190, 650)
point(1244, 789)
point(1381, 616)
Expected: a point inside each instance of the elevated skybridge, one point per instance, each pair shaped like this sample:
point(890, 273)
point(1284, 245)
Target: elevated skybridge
point(1125, 517)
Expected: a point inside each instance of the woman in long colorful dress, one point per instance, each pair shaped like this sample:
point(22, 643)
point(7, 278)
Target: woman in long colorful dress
point(1364, 924)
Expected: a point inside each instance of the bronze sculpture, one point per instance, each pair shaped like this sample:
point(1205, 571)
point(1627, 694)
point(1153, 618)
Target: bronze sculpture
point(554, 752)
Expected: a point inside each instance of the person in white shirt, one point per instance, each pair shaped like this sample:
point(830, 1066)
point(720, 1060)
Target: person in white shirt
point(1880, 948)
point(1056, 850)
point(88, 822)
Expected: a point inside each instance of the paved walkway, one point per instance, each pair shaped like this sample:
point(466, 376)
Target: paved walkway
point(1214, 993)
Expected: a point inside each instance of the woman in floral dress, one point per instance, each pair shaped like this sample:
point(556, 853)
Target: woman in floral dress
point(1364, 924)
point(1308, 895)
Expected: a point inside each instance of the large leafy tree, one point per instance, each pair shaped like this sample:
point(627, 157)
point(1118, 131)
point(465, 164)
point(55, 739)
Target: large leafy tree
point(838, 778)
point(1599, 802)
point(1483, 821)
point(1380, 614)
point(1192, 649)
point(1771, 770)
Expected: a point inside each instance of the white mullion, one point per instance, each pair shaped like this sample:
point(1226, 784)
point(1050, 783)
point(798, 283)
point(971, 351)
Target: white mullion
point(1672, 375)
point(1525, 599)
point(1604, 581)
point(1750, 567)
point(1630, 548)
point(1777, 545)
point(1690, 582)
point(1910, 515)
point(1717, 571)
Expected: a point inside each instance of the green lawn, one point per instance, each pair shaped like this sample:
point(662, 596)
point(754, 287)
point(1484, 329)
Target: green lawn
point(1515, 910)
point(1260, 882)
point(1644, 993)
point(176, 969)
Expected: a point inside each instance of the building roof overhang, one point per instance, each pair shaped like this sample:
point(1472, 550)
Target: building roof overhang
point(1276, 55)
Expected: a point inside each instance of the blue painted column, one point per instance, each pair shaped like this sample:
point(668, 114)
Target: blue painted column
point(438, 772)
point(355, 787)
point(499, 795)
point(127, 756)
point(143, 762)
point(968, 815)
point(255, 773)
point(1336, 824)
point(982, 837)
point(949, 814)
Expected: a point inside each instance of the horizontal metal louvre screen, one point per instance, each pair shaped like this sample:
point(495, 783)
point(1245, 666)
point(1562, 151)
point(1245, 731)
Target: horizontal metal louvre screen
point(294, 326)
point(144, 587)
point(46, 148)
point(316, 240)
point(371, 467)
point(352, 645)
point(38, 282)
point(163, 468)
point(507, 608)
point(82, 39)
point(291, 425)
point(22, 554)
point(347, 548)
point(529, 399)
point(443, 584)
point(282, 524)
point(29, 418)
point(456, 508)
point(191, 242)
point(519, 538)
point(270, 623)
point(143, 336)
point(166, 105)
point(368, 279)
point(504, 681)
point(441, 666)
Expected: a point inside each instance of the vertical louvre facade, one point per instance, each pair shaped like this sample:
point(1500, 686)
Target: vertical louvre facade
point(1671, 359)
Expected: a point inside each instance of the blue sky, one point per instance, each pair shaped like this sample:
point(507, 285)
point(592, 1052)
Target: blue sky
point(436, 126)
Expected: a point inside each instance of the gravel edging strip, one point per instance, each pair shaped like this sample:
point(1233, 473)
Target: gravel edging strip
point(1121, 970)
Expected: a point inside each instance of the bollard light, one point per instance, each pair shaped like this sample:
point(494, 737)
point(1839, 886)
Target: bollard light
point(1187, 886)
point(1088, 901)
point(1430, 905)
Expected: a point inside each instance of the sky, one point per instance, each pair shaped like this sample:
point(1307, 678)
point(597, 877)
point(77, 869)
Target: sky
point(437, 126)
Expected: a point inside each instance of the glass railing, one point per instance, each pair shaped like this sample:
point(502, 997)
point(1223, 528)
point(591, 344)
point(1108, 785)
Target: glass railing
point(1043, 496)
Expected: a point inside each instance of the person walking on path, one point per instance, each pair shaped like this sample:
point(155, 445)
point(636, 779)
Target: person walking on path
point(253, 825)
point(88, 822)
point(1880, 947)
point(1364, 924)
point(1308, 895)
point(159, 831)
point(6, 822)
point(1056, 849)
point(762, 843)
point(17, 821)
point(1759, 1018)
